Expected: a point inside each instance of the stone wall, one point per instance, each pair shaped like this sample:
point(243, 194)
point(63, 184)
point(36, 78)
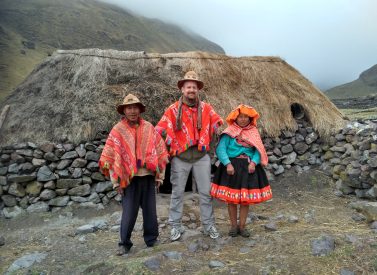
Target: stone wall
point(39, 178)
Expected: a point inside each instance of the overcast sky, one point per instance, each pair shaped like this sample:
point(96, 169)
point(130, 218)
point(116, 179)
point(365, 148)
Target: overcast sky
point(329, 41)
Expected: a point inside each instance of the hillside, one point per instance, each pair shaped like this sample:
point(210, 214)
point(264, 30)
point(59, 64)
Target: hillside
point(366, 84)
point(30, 30)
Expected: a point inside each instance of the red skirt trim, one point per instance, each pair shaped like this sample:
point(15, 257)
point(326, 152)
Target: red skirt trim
point(241, 196)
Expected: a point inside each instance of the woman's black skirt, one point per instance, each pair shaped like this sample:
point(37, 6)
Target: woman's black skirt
point(242, 187)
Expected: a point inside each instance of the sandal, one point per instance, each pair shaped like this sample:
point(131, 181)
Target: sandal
point(244, 233)
point(233, 232)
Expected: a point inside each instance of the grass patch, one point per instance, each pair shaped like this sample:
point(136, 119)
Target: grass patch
point(352, 114)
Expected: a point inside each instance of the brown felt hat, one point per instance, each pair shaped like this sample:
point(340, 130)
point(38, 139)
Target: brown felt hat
point(128, 100)
point(190, 76)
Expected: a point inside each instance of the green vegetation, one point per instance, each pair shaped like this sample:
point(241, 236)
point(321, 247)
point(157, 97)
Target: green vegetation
point(31, 30)
point(353, 114)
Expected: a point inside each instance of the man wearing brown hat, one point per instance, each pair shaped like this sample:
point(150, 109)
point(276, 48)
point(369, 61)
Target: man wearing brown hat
point(189, 125)
point(135, 158)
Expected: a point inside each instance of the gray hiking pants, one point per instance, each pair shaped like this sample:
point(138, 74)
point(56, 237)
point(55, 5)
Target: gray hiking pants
point(201, 170)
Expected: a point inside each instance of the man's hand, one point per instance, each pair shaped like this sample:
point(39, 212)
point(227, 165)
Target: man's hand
point(158, 184)
point(230, 169)
point(119, 190)
point(251, 167)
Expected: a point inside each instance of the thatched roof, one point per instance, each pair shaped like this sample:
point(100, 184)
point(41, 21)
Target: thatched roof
point(72, 95)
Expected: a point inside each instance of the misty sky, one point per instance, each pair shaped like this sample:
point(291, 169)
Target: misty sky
point(329, 41)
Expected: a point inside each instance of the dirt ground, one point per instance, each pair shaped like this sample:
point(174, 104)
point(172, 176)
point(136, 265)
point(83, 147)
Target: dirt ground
point(309, 196)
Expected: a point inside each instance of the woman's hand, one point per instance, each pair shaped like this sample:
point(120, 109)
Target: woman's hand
point(251, 167)
point(230, 169)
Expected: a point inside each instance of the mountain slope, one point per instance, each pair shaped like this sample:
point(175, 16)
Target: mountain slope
point(366, 84)
point(32, 29)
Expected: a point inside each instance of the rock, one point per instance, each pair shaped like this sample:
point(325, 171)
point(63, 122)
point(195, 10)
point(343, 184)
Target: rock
point(92, 156)
point(64, 164)
point(12, 212)
point(368, 209)
point(344, 188)
point(290, 158)
point(102, 187)
point(153, 263)
point(78, 199)
point(244, 250)
point(68, 183)
point(373, 225)
point(271, 226)
point(90, 146)
point(323, 245)
point(99, 224)
point(38, 162)
point(251, 243)
point(94, 198)
point(50, 185)
point(27, 261)
point(45, 174)
point(344, 271)
point(85, 229)
point(3, 171)
point(17, 190)
point(193, 246)
point(293, 219)
point(38, 207)
point(34, 188)
point(21, 178)
point(279, 170)
point(81, 150)
point(47, 194)
point(301, 147)
point(373, 162)
point(2, 240)
point(81, 190)
point(79, 163)
point(173, 255)
point(9, 200)
point(92, 166)
point(97, 176)
point(77, 173)
point(70, 155)
point(310, 138)
point(357, 217)
point(3, 181)
point(287, 149)
point(59, 201)
point(63, 174)
point(50, 156)
point(215, 264)
point(13, 168)
point(115, 228)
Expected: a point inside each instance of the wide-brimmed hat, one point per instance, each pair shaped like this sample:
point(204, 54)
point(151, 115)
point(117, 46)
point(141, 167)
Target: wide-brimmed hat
point(243, 109)
point(190, 76)
point(128, 100)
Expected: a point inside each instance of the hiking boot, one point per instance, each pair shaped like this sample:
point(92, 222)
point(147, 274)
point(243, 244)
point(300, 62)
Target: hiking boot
point(233, 232)
point(155, 243)
point(212, 232)
point(176, 233)
point(244, 233)
point(122, 250)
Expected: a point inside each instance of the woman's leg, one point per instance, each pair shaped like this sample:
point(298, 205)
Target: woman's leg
point(244, 210)
point(232, 210)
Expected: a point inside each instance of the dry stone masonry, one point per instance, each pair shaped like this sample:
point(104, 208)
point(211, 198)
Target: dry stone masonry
point(40, 178)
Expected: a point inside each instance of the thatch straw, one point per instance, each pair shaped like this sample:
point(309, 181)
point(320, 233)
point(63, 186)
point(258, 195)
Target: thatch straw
point(72, 95)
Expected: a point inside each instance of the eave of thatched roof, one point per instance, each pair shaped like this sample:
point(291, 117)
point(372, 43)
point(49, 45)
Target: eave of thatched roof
point(72, 95)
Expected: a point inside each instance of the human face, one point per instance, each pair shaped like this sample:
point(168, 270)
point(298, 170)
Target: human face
point(190, 90)
point(243, 120)
point(132, 113)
